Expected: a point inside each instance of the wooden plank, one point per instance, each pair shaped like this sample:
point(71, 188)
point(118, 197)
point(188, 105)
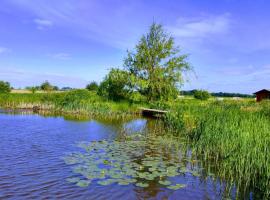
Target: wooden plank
point(153, 112)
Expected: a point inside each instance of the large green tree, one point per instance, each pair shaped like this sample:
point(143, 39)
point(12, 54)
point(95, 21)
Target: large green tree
point(156, 66)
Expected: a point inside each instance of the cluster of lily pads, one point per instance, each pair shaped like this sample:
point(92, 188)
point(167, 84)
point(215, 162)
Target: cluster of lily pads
point(135, 162)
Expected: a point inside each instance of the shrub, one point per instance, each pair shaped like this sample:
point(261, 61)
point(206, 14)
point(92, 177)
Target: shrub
point(93, 86)
point(201, 94)
point(46, 86)
point(114, 85)
point(4, 87)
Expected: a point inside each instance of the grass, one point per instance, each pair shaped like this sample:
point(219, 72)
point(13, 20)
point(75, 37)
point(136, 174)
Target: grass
point(235, 135)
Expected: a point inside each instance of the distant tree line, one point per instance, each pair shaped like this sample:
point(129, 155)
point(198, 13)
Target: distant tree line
point(218, 94)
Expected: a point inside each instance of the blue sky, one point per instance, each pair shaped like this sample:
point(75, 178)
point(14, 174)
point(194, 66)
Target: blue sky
point(72, 42)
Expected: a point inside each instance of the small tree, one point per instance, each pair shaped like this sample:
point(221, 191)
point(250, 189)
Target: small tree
point(93, 86)
point(46, 86)
point(156, 65)
point(5, 87)
point(201, 94)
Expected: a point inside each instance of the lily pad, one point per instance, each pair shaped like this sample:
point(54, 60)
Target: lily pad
point(105, 182)
point(176, 186)
point(165, 182)
point(142, 185)
point(73, 180)
point(83, 183)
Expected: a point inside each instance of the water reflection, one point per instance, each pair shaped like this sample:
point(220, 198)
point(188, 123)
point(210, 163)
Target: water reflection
point(32, 147)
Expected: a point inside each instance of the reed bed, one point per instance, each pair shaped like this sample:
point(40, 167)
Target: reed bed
point(234, 135)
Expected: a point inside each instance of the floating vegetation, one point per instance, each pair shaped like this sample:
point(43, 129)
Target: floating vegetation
point(142, 185)
point(176, 186)
point(83, 183)
point(137, 162)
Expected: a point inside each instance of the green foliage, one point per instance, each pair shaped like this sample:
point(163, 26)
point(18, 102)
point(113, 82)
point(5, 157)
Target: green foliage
point(114, 86)
point(46, 86)
point(234, 134)
point(93, 86)
point(75, 98)
point(201, 94)
point(33, 89)
point(4, 87)
point(156, 66)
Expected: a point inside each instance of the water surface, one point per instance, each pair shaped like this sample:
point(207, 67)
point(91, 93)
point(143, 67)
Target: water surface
point(32, 166)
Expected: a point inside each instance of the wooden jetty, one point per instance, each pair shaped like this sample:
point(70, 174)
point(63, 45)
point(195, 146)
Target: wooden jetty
point(152, 112)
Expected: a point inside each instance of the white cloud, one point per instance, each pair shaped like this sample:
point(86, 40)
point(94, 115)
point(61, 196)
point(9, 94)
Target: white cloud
point(43, 23)
point(201, 27)
point(4, 50)
point(61, 56)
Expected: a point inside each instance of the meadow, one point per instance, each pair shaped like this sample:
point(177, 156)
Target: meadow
point(232, 134)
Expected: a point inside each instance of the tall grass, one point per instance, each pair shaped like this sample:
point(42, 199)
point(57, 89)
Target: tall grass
point(235, 135)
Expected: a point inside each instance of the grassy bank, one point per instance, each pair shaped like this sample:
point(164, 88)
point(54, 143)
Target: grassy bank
point(235, 135)
point(76, 102)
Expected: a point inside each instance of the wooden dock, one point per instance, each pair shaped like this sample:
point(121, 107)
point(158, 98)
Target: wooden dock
point(152, 112)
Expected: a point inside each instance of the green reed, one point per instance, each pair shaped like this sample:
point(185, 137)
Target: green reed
point(235, 135)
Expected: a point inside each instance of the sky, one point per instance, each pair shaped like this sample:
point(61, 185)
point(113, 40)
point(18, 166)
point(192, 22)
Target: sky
point(73, 42)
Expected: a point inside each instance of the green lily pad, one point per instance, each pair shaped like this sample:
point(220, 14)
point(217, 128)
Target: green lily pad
point(176, 186)
point(105, 182)
point(123, 182)
point(73, 180)
point(142, 185)
point(83, 183)
point(164, 182)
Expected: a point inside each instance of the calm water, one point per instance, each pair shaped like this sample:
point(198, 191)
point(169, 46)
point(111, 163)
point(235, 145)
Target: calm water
point(32, 167)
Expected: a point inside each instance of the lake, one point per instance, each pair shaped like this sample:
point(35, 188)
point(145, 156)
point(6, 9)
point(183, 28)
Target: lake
point(49, 157)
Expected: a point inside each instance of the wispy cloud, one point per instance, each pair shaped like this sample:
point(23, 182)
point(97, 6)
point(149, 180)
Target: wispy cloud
point(84, 19)
point(42, 23)
point(204, 26)
point(4, 50)
point(61, 56)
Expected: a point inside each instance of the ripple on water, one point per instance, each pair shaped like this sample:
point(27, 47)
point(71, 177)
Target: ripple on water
point(31, 167)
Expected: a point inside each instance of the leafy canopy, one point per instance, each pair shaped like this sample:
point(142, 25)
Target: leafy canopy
point(5, 87)
point(156, 66)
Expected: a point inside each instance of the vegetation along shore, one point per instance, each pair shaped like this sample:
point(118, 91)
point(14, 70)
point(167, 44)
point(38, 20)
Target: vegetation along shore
point(234, 133)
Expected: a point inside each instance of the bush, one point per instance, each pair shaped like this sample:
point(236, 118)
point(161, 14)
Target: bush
point(4, 87)
point(114, 85)
point(201, 94)
point(46, 86)
point(93, 86)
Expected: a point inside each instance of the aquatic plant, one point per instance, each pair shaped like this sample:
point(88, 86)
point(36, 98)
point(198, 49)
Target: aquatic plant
point(233, 135)
point(138, 161)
